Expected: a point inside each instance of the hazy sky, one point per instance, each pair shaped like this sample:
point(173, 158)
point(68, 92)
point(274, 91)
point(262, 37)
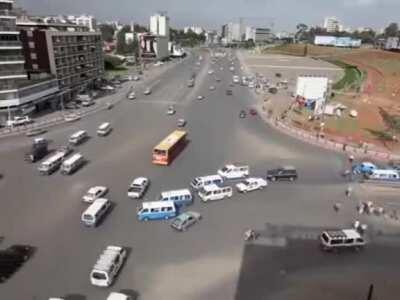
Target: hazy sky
point(285, 14)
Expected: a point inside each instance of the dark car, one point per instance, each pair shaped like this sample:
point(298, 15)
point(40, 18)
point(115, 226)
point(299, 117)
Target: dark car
point(282, 173)
point(229, 92)
point(12, 258)
point(253, 111)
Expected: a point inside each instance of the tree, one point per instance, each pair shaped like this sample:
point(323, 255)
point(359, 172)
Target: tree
point(392, 30)
point(122, 46)
point(107, 32)
point(301, 29)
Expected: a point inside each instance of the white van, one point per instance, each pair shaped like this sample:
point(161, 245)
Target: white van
point(232, 171)
point(78, 137)
point(341, 239)
point(51, 164)
point(214, 192)
point(93, 214)
point(386, 175)
point(72, 163)
point(179, 197)
point(104, 129)
point(107, 266)
point(199, 182)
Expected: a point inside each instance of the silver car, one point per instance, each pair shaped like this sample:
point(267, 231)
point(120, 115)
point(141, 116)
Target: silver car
point(185, 220)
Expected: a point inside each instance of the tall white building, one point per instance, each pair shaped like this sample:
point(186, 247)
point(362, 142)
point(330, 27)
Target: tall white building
point(233, 32)
point(84, 20)
point(250, 33)
point(195, 29)
point(331, 24)
point(159, 25)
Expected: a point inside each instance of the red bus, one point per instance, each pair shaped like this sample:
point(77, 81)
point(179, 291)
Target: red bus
point(169, 148)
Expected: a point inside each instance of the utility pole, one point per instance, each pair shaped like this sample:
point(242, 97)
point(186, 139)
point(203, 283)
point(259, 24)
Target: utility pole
point(370, 292)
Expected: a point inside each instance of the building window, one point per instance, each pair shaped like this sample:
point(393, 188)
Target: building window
point(29, 33)
point(33, 56)
point(35, 66)
point(31, 45)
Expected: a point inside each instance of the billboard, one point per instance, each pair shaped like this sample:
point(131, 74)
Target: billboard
point(323, 40)
point(312, 87)
point(147, 46)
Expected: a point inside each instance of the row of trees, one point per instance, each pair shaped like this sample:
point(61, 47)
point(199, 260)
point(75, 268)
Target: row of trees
point(307, 34)
point(188, 39)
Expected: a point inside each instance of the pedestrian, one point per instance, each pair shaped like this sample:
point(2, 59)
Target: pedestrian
point(348, 191)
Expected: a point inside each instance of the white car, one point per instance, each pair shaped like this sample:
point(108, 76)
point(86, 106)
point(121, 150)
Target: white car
point(138, 187)
point(71, 117)
point(251, 184)
point(200, 98)
point(107, 88)
point(170, 111)
point(94, 193)
point(211, 88)
point(136, 78)
point(210, 72)
point(118, 296)
point(181, 123)
point(19, 121)
point(132, 96)
point(147, 91)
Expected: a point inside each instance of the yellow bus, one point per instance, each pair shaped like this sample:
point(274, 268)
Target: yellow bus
point(165, 152)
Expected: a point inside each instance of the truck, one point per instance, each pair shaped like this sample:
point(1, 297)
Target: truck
point(39, 149)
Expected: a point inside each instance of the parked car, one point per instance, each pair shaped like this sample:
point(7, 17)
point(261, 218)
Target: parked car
point(94, 193)
point(19, 121)
point(229, 92)
point(107, 88)
point(242, 114)
point(147, 91)
point(211, 88)
point(138, 187)
point(136, 78)
point(185, 220)
point(251, 184)
point(341, 239)
point(282, 173)
point(364, 168)
point(200, 97)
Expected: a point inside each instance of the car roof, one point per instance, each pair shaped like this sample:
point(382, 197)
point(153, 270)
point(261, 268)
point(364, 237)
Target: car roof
point(176, 193)
point(117, 296)
point(95, 188)
point(139, 180)
point(157, 204)
point(345, 233)
point(212, 187)
point(288, 167)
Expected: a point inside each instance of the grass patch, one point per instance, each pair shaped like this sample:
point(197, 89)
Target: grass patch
point(342, 125)
point(352, 78)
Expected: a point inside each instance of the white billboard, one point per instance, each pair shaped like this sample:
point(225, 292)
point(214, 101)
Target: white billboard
point(325, 40)
point(312, 87)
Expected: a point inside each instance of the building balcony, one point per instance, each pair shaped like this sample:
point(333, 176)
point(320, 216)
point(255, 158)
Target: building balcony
point(7, 13)
point(10, 58)
point(12, 73)
point(10, 44)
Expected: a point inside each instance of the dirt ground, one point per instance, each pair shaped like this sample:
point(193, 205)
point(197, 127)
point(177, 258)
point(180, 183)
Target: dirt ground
point(381, 89)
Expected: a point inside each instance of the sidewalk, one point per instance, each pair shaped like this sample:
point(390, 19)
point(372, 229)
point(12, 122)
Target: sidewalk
point(276, 122)
point(58, 117)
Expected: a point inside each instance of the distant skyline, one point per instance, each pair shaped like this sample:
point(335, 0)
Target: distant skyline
point(351, 13)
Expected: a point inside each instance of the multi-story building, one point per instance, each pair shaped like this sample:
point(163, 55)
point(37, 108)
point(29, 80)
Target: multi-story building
point(195, 29)
point(18, 93)
point(233, 32)
point(87, 21)
point(250, 33)
point(331, 24)
point(71, 53)
point(262, 35)
point(159, 25)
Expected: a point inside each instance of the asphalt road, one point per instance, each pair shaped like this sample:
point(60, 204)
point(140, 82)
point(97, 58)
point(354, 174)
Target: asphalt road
point(210, 260)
